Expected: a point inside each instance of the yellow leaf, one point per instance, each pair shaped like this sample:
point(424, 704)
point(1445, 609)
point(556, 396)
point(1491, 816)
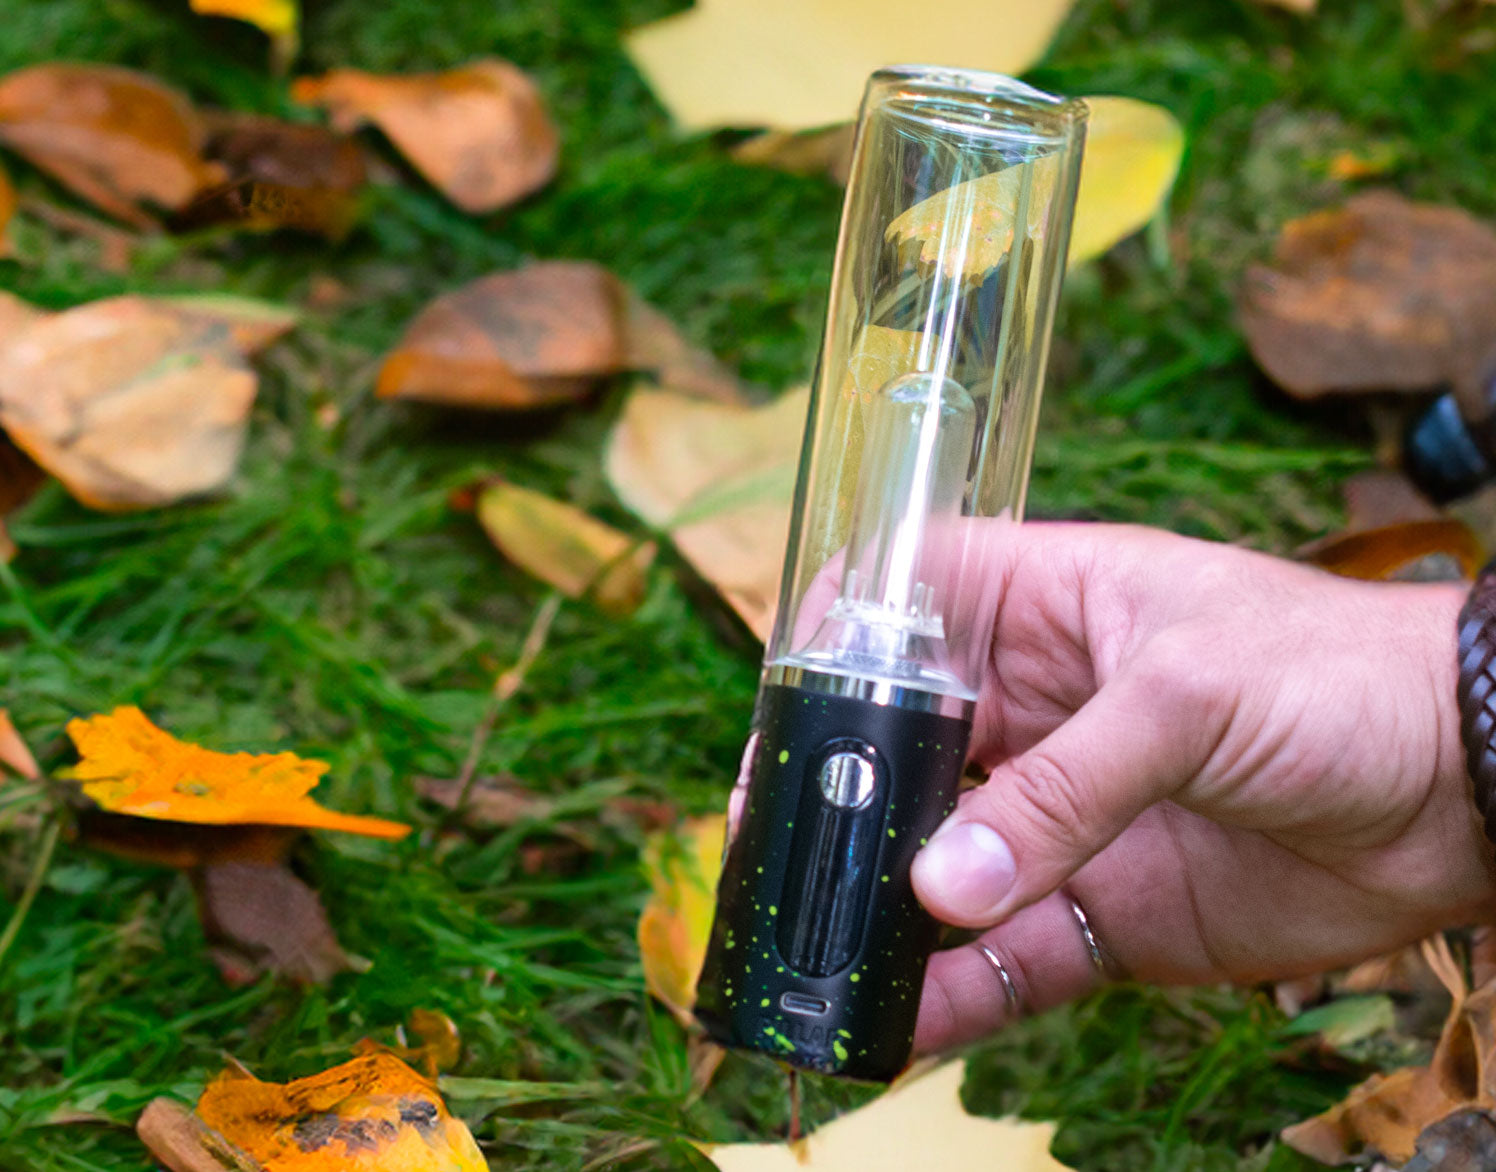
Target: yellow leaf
point(275, 17)
point(719, 478)
point(919, 1125)
point(129, 766)
point(564, 547)
point(373, 1114)
point(674, 926)
point(794, 64)
point(1132, 154)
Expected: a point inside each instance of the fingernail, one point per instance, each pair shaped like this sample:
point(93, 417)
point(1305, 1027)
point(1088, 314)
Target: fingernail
point(968, 869)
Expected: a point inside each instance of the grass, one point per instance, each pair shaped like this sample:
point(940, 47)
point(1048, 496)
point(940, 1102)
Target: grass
point(332, 604)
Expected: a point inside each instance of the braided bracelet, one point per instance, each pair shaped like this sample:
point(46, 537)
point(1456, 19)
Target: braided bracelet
point(1477, 691)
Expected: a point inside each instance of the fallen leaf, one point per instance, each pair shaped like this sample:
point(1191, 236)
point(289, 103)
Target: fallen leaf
point(1413, 551)
point(19, 480)
point(652, 342)
point(116, 137)
point(827, 150)
point(918, 1125)
point(14, 753)
point(15, 315)
point(183, 845)
point(184, 1143)
point(1387, 1112)
point(1346, 1020)
point(1302, 7)
point(261, 918)
point(1381, 497)
point(677, 919)
point(565, 547)
point(1131, 157)
point(719, 480)
point(279, 175)
point(437, 1045)
point(491, 803)
point(1382, 294)
point(373, 1114)
point(796, 64)
point(277, 19)
point(7, 210)
point(480, 133)
point(529, 338)
point(129, 766)
point(131, 401)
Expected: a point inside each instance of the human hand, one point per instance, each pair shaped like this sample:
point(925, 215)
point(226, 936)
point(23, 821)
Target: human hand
point(1241, 768)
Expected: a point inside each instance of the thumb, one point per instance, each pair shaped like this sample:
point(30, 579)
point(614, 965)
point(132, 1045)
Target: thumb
point(1043, 814)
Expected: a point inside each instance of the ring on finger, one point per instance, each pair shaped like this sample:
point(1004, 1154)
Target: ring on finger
point(1088, 934)
point(1010, 991)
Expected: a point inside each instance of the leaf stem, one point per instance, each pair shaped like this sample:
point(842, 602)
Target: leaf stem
point(33, 885)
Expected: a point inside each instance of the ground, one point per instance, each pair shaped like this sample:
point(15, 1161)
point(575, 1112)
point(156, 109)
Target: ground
point(333, 604)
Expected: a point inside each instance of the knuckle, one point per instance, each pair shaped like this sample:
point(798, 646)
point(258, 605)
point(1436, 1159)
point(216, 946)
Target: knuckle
point(1050, 798)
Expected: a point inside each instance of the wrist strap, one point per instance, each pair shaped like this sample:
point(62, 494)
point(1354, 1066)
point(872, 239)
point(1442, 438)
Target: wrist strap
point(1477, 691)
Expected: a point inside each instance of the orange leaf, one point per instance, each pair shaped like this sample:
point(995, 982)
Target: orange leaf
point(115, 136)
point(480, 132)
point(676, 921)
point(373, 1114)
point(129, 766)
point(533, 337)
point(14, 754)
point(1394, 552)
point(133, 401)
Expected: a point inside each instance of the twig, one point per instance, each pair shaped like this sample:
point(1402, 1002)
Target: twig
point(33, 885)
point(508, 682)
point(795, 1132)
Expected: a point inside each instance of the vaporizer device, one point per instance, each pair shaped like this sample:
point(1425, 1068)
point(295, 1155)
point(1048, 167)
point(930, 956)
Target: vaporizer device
point(915, 463)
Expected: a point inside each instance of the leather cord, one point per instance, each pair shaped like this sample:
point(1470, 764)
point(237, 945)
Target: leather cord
point(1477, 691)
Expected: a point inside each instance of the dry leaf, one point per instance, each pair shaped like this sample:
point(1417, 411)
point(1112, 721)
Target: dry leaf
point(279, 175)
point(564, 547)
point(129, 766)
point(1382, 294)
point(261, 918)
point(1131, 156)
point(1412, 551)
point(796, 64)
point(15, 315)
point(183, 845)
point(1302, 7)
point(1386, 1113)
point(20, 479)
point(14, 754)
point(807, 152)
point(676, 921)
point(480, 132)
point(116, 137)
point(437, 1046)
point(182, 1142)
point(7, 210)
point(1382, 497)
point(652, 342)
point(132, 401)
point(532, 337)
point(491, 803)
point(373, 1114)
point(918, 1125)
point(719, 480)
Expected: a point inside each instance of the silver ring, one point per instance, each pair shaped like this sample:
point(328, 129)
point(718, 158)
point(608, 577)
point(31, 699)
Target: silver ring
point(1009, 991)
point(1093, 946)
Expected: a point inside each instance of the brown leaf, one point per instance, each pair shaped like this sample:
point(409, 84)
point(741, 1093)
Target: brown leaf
point(491, 803)
point(719, 480)
point(183, 845)
point(279, 175)
point(182, 1142)
point(14, 753)
point(7, 210)
point(20, 479)
point(1383, 294)
point(260, 918)
point(1387, 1113)
point(15, 315)
point(133, 402)
point(566, 548)
point(533, 337)
point(1419, 551)
point(480, 132)
point(1383, 497)
point(116, 137)
point(654, 343)
point(825, 151)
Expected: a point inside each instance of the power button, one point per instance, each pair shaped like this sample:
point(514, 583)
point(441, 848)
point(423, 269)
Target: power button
point(847, 780)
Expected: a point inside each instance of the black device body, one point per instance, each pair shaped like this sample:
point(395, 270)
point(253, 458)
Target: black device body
point(818, 950)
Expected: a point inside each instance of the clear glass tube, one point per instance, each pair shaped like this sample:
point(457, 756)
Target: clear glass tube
point(926, 396)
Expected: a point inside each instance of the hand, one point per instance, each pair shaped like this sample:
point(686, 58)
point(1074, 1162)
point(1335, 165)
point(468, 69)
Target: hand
point(1240, 767)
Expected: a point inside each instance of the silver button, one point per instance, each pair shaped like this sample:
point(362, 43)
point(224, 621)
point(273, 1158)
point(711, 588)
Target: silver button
point(847, 780)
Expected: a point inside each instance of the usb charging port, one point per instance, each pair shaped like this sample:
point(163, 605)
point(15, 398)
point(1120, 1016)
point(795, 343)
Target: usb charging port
point(804, 1003)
